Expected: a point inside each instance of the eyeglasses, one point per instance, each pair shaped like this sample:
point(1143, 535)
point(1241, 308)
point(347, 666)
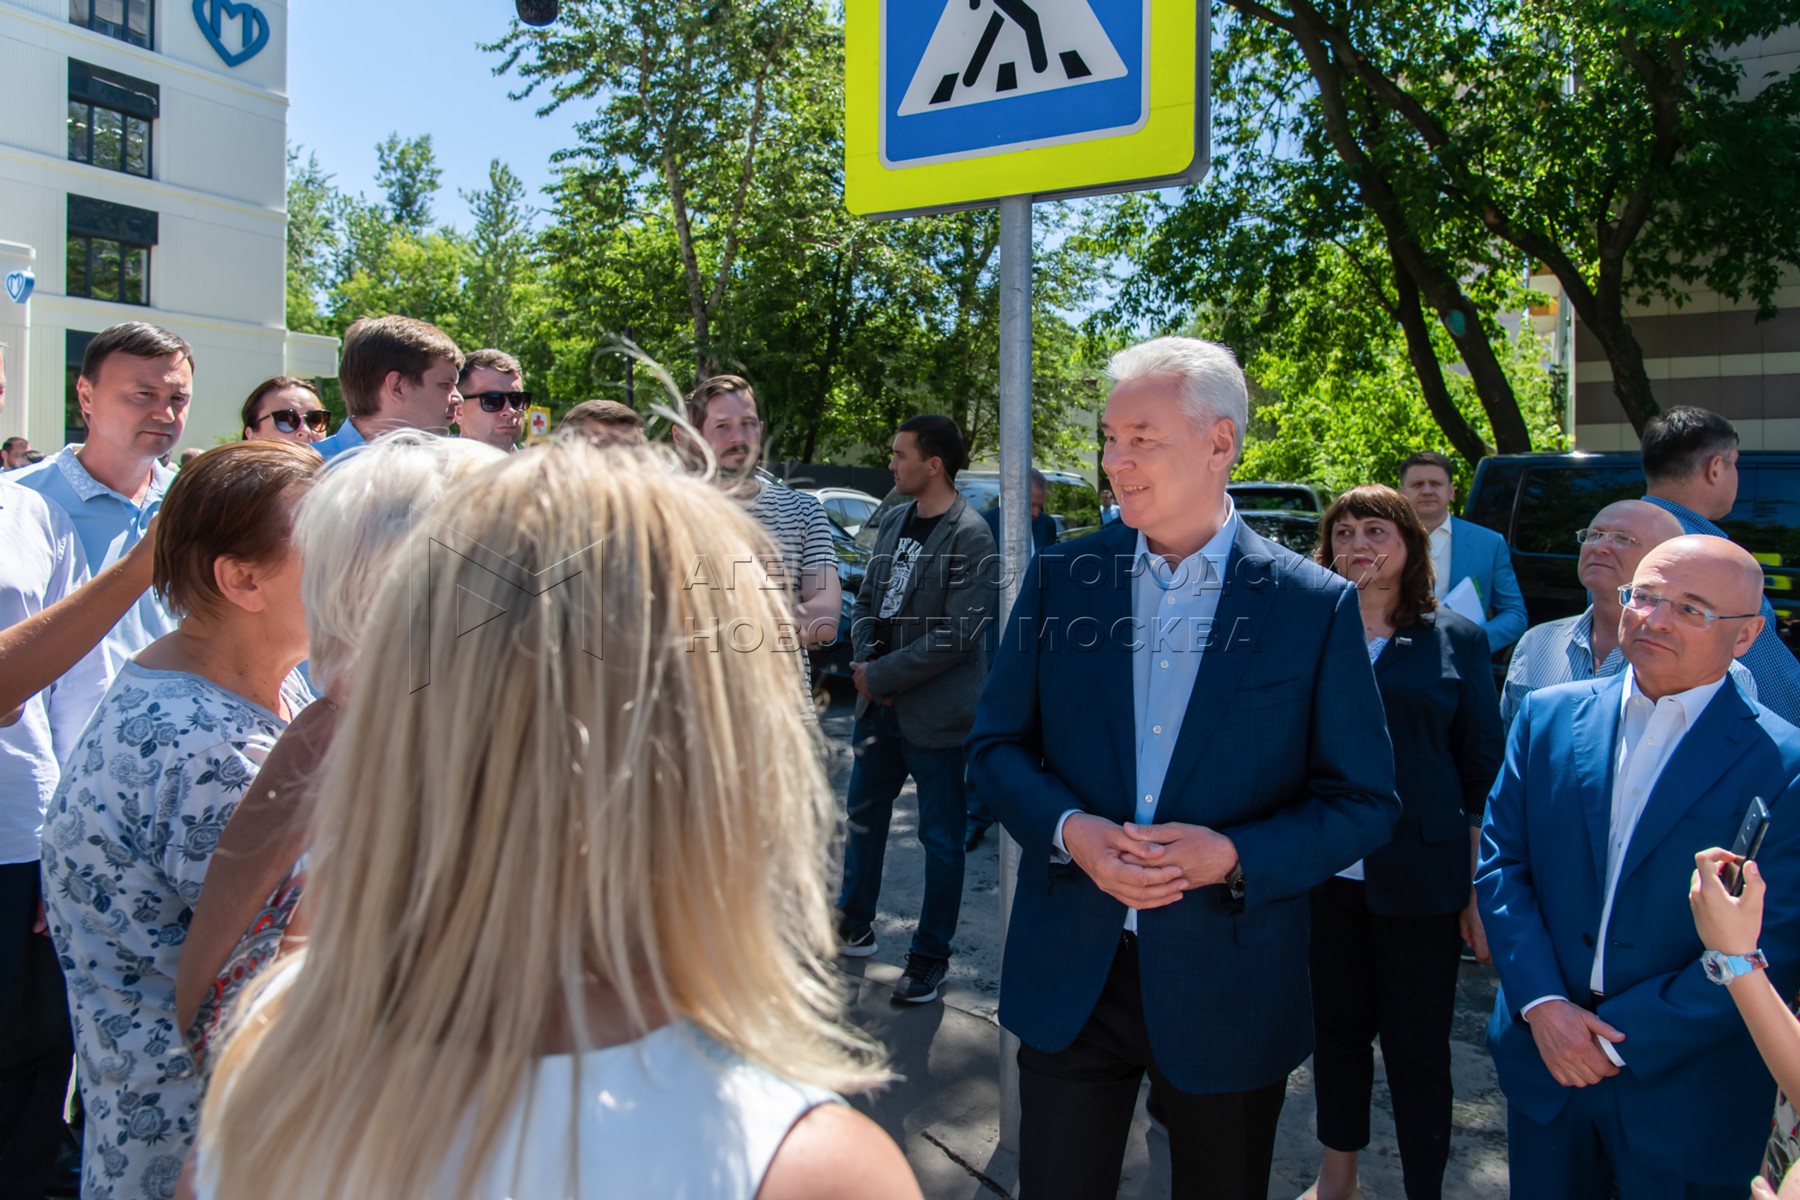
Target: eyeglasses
point(493, 402)
point(287, 420)
point(1643, 600)
point(1605, 537)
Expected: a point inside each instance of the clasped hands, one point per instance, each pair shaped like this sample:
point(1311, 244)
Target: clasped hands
point(1147, 866)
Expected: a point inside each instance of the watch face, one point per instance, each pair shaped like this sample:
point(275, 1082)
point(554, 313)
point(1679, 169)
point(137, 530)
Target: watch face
point(1713, 963)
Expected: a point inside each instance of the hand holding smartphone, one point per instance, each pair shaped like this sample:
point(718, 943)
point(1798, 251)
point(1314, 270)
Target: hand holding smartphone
point(1749, 842)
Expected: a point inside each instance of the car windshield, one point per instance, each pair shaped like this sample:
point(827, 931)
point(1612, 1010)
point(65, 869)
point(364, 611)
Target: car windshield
point(1260, 498)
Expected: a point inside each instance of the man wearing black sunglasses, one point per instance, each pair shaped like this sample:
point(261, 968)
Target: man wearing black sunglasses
point(493, 402)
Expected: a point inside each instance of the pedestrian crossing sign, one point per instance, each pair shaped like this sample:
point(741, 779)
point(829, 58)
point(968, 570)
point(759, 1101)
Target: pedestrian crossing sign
point(957, 103)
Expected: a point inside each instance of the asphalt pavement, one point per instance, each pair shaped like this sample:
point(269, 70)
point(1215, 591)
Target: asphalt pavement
point(944, 1109)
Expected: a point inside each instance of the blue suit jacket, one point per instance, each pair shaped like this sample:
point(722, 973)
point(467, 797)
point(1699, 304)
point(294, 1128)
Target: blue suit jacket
point(1694, 1096)
point(1283, 748)
point(1478, 553)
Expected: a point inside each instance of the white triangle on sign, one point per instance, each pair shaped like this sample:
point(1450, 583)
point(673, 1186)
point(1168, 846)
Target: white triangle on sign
point(987, 50)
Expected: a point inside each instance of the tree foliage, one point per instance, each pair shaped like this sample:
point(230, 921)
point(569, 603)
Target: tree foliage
point(408, 173)
point(1448, 147)
point(700, 214)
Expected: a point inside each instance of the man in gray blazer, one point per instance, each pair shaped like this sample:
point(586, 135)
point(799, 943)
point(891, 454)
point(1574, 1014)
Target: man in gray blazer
point(919, 666)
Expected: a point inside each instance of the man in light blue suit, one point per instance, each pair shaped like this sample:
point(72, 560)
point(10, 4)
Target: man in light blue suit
point(1464, 550)
point(1623, 1063)
point(1182, 731)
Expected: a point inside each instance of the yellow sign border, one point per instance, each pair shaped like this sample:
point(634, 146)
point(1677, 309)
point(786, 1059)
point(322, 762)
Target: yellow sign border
point(1169, 145)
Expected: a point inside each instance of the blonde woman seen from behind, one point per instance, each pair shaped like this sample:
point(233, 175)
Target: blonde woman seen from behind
point(571, 932)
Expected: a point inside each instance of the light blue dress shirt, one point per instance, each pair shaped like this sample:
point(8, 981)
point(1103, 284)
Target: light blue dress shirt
point(109, 524)
point(1172, 609)
point(348, 437)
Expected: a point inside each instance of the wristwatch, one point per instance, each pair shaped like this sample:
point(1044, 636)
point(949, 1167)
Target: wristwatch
point(1722, 968)
point(1234, 881)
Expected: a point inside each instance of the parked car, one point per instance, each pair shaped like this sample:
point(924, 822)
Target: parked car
point(1297, 531)
point(1070, 499)
point(847, 506)
point(1255, 495)
point(1538, 501)
point(853, 560)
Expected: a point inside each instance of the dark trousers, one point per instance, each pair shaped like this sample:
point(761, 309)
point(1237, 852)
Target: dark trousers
point(1583, 1154)
point(1076, 1107)
point(1393, 977)
point(883, 761)
point(36, 1045)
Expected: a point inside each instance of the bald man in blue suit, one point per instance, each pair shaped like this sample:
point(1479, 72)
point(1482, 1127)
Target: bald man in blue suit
point(1624, 1064)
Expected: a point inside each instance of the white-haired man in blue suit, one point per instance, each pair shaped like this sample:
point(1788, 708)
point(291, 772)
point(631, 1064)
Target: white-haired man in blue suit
point(1464, 550)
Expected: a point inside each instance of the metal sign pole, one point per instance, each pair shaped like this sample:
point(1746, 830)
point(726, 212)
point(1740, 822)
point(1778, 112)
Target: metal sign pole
point(1015, 528)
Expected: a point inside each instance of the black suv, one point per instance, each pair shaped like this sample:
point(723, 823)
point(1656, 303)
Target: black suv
point(1538, 501)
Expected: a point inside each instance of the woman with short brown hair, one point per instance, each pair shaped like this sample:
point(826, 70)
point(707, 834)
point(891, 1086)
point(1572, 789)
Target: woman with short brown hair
point(147, 789)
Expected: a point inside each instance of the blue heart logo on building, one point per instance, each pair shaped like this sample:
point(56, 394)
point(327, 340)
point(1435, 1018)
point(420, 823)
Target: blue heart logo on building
point(19, 285)
point(253, 33)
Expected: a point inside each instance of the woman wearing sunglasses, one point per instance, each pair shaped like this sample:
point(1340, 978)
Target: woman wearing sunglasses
point(285, 408)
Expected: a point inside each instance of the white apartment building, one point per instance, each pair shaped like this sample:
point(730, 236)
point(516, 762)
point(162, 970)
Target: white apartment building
point(143, 176)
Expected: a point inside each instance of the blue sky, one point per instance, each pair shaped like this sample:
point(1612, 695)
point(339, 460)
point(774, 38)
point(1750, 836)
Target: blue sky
point(360, 70)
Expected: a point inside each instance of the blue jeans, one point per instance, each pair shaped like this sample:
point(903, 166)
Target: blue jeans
point(883, 761)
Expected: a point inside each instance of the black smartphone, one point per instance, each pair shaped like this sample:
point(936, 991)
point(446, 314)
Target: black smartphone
point(1749, 841)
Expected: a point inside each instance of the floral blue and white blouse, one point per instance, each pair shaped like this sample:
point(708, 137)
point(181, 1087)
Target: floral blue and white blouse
point(127, 839)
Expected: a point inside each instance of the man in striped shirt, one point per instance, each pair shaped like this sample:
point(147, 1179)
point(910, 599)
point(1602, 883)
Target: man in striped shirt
point(1586, 646)
point(723, 411)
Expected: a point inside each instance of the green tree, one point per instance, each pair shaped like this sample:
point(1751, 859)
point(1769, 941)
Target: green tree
point(1616, 144)
point(845, 326)
point(1336, 399)
point(419, 275)
point(499, 293)
point(407, 170)
point(312, 240)
point(685, 91)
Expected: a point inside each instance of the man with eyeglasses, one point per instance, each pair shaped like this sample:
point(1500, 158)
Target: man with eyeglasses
point(1690, 458)
point(396, 373)
point(493, 399)
point(1626, 1069)
point(1586, 646)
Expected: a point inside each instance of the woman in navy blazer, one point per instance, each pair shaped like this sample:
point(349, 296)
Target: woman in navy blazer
point(1387, 932)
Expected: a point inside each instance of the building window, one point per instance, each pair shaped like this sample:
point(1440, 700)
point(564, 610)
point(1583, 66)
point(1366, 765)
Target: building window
point(127, 20)
point(75, 344)
point(109, 251)
point(110, 118)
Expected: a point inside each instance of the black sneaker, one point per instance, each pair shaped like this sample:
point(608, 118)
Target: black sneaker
point(860, 946)
point(921, 981)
